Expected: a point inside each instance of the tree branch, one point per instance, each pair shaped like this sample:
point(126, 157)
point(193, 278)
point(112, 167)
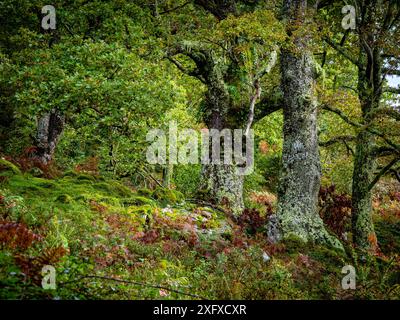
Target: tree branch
point(267, 105)
point(175, 8)
point(382, 172)
point(392, 90)
point(343, 52)
point(336, 140)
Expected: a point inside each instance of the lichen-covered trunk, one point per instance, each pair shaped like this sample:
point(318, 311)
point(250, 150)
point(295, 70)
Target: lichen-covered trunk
point(297, 212)
point(370, 93)
point(363, 174)
point(221, 182)
point(49, 129)
point(224, 186)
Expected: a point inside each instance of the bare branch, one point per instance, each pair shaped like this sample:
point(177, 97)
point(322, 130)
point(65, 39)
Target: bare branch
point(253, 100)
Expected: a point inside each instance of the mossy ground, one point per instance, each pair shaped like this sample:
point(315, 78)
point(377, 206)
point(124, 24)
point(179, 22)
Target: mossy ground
point(110, 233)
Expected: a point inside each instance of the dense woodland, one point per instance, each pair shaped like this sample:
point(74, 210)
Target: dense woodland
point(314, 82)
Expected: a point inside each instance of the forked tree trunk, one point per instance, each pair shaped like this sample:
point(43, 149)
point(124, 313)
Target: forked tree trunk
point(49, 129)
point(297, 212)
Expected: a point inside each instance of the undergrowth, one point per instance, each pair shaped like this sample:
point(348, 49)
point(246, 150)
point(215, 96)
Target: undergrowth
point(108, 241)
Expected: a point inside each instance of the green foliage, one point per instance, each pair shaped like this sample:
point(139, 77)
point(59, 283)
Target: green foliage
point(187, 179)
point(7, 165)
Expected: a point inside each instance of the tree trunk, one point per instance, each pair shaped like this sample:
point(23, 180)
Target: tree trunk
point(221, 182)
point(297, 212)
point(224, 186)
point(167, 175)
point(49, 129)
point(370, 93)
point(363, 174)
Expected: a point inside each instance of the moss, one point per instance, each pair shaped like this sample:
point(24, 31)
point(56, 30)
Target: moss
point(82, 197)
point(142, 214)
point(113, 187)
point(145, 192)
point(142, 210)
point(70, 173)
point(85, 177)
point(328, 256)
point(110, 201)
point(136, 201)
point(44, 183)
point(294, 244)
point(64, 198)
point(168, 195)
point(103, 186)
point(120, 189)
point(7, 165)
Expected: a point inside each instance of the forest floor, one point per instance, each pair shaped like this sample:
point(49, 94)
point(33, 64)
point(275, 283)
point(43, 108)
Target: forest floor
point(109, 241)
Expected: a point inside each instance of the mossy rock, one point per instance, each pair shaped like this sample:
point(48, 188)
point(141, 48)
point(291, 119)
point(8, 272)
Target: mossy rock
point(85, 177)
point(145, 192)
point(168, 195)
point(114, 187)
point(82, 198)
point(64, 198)
point(330, 257)
point(120, 189)
point(294, 244)
point(137, 201)
point(7, 165)
point(103, 186)
point(142, 215)
point(110, 201)
point(145, 210)
point(70, 173)
point(47, 184)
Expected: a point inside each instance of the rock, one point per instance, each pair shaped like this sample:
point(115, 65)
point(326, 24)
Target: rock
point(266, 257)
point(272, 227)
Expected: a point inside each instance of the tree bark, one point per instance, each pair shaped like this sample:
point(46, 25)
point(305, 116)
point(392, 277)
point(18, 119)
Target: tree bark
point(297, 212)
point(49, 129)
point(370, 92)
point(364, 165)
point(221, 181)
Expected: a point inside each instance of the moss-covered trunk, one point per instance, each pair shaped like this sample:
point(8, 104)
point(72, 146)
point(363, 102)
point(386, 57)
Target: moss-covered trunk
point(363, 174)
point(370, 92)
point(224, 186)
point(300, 175)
